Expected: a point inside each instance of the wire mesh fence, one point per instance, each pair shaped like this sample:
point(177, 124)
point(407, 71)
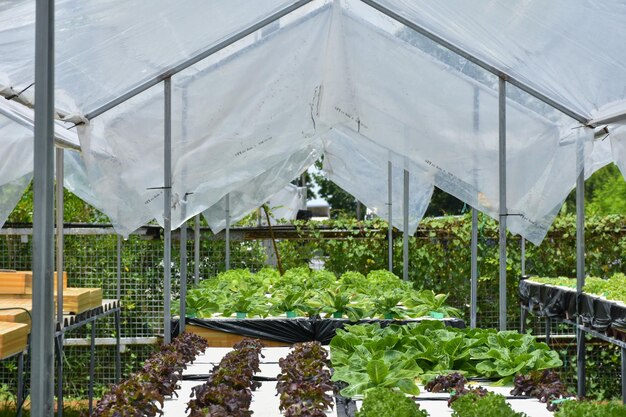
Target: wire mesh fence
point(91, 261)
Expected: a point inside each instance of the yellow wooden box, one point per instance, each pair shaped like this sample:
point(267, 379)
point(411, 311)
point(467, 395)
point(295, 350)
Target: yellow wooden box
point(21, 282)
point(17, 315)
point(77, 300)
point(13, 338)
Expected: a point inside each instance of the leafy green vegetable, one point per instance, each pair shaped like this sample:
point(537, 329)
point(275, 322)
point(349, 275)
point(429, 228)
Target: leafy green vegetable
point(380, 402)
point(491, 405)
point(429, 349)
point(590, 409)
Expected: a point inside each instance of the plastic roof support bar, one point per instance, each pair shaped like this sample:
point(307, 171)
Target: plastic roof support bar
point(42, 334)
point(194, 60)
point(483, 64)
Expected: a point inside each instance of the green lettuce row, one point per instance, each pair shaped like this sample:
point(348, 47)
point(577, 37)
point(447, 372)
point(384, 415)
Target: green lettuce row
point(309, 293)
point(613, 288)
point(369, 356)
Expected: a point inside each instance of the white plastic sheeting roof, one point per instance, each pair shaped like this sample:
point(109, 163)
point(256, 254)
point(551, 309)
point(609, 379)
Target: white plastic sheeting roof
point(331, 65)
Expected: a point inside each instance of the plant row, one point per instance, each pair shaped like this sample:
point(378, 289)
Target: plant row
point(469, 401)
point(304, 382)
point(613, 288)
point(143, 391)
point(368, 356)
point(303, 292)
point(228, 389)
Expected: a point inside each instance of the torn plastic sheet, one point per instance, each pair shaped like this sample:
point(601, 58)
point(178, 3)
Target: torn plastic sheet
point(272, 185)
point(360, 167)
point(618, 145)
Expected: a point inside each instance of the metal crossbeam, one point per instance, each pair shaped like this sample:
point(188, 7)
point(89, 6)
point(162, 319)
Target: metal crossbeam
point(168, 73)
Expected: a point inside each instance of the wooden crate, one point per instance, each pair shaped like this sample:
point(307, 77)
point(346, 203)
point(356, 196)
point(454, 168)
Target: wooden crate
point(77, 300)
point(96, 297)
point(17, 315)
point(21, 282)
point(215, 338)
point(16, 282)
point(13, 338)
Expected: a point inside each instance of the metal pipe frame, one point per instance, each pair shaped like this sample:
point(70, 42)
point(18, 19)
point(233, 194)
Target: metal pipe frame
point(59, 201)
point(623, 350)
point(405, 225)
point(29, 123)
point(167, 212)
point(118, 327)
point(474, 271)
point(183, 276)
point(227, 232)
point(502, 191)
point(390, 214)
point(92, 365)
point(580, 267)
point(523, 248)
point(20, 384)
point(42, 333)
point(196, 249)
point(168, 73)
point(475, 60)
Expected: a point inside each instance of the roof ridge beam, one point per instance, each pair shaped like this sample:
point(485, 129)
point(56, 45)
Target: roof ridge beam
point(481, 63)
point(168, 73)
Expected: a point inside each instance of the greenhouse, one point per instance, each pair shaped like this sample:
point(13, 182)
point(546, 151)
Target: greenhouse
point(157, 256)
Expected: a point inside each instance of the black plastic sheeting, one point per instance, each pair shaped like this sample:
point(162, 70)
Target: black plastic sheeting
point(294, 330)
point(556, 302)
point(547, 300)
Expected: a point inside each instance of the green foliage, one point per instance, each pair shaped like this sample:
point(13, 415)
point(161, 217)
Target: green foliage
point(439, 254)
point(590, 409)
point(386, 402)
point(425, 350)
point(491, 405)
point(380, 294)
point(613, 288)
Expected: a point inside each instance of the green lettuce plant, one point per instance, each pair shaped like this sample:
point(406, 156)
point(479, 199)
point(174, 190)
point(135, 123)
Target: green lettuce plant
point(386, 402)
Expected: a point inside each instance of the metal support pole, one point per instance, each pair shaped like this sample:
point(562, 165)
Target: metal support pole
point(474, 271)
point(523, 256)
point(183, 276)
point(59, 273)
point(92, 365)
point(548, 329)
point(167, 212)
point(405, 225)
point(623, 375)
point(227, 233)
point(118, 327)
point(503, 209)
point(580, 267)
point(390, 213)
point(20, 384)
point(522, 320)
point(42, 333)
point(196, 249)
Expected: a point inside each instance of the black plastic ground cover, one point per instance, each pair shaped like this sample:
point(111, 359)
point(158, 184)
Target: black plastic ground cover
point(294, 330)
point(557, 302)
